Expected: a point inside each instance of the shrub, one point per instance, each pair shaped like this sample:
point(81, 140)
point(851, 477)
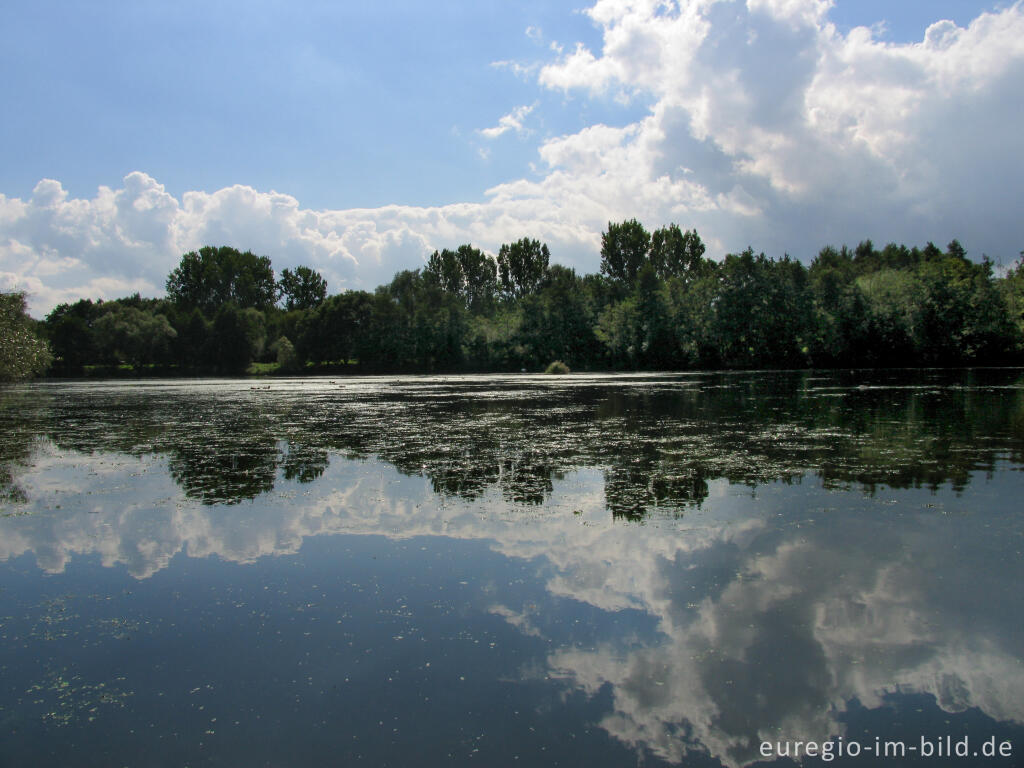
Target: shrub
point(22, 352)
point(557, 368)
point(287, 360)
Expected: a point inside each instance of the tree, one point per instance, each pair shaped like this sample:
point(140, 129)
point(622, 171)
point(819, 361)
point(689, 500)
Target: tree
point(866, 258)
point(762, 312)
point(212, 277)
point(413, 324)
point(287, 360)
point(624, 250)
point(466, 272)
point(989, 333)
point(636, 329)
point(619, 329)
point(675, 253)
point(556, 323)
point(22, 352)
point(962, 317)
point(444, 270)
point(335, 329)
point(839, 310)
point(1012, 289)
point(125, 334)
point(657, 343)
point(956, 251)
point(521, 267)
point(893, 299)
point(493, 343)
point(480, 274)
point(237, 338)
point(69, 329)
point(895, 256)
point(192, 345)
point(304, 288)
point(692, 313)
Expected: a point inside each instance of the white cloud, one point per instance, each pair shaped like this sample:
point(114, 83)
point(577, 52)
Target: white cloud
point(578, 69)
point(828, 137)
point(120, 241)
point(513, 121)
point(766, 126)
point(520, 70)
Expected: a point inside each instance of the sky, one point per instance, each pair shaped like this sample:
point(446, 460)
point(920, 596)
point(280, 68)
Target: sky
point(357, 138)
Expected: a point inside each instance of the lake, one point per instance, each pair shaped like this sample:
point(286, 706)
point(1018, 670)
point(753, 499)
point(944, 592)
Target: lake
point(592, 570)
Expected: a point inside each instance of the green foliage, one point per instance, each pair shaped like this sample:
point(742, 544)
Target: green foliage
point(193, 348)
point(126, 335)
point(762, 311)
point(557, 321)
point(415, 325)
point(893, 301)
point(481, 278)
point(494, 342)
point(287, 360)
point(989, 329)
point(963, 318)
point(657, 343)
point(213, 277)
point(691, 313)
point(69, 329)
point(23, 353)
point(674, 253)
point(557, 368)
point(618, 328)
point(467, 273)
point(302, 289)
point(636, 331)
point(236, 338)
point(624, 250)
point(657, 304)
point(840, 319)
point(444, 270)
point(521, 267)
point(333, 332)
point(1011, 289)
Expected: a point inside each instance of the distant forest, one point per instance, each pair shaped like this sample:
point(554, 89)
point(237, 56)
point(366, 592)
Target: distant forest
point(657, 304)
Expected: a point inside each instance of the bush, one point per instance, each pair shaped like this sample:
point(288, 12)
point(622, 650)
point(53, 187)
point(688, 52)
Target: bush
point(557, 368)
point(22, 353)
point(287, 360)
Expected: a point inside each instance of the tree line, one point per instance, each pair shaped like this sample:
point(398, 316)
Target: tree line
point(657, 303)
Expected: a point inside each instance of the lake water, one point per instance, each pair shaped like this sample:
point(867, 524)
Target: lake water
point(513, 570)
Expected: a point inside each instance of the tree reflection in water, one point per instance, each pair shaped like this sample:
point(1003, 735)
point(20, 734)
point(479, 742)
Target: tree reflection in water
point(658, 439)
point(816, 549)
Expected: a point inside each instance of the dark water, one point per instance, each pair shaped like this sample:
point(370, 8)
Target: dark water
point(510, 571)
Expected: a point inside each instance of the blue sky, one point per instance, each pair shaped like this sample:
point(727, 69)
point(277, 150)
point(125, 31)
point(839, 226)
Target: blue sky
point(339, 107)
point(340, 104)
point(906, 20)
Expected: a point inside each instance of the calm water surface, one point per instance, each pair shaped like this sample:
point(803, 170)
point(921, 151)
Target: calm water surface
point(511, 570)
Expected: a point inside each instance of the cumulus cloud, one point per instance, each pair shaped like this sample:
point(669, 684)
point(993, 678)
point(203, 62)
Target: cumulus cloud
point(824, 137)
point(121, 241)
point(766, 126)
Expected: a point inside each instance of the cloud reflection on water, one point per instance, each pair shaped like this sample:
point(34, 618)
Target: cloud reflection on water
point(774, 609)
point(799, 543)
